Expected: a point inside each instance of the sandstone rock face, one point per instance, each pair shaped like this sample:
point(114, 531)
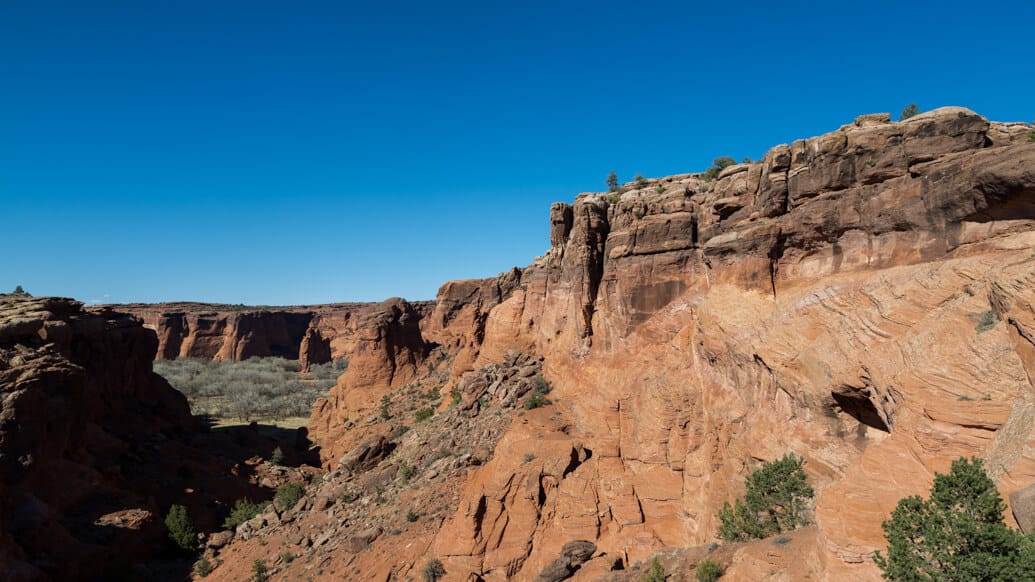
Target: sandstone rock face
point(863, 298)
point(388, 352)
point(79, 406)
point(461, 310)
point(312, 334)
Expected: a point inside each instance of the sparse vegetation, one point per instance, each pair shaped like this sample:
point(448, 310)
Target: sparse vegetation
point(1031, 136)
point(641, 182)
point(656, 573)
point(708, 571)
point(386, 404)
point(260, 573)
point(775, 501)
point(181, 529)
point(423, 414)
point(986, 322)
point(433, 571)
point(412, 516)
point(957, 534)
point(908, 111)
point(242, 511)
point(19, 291)
point(203, 567)
point(529, 457)
point(718, 165)
point(612, 182)
point(277, 457)
point(539, 392)
point(257, 388)
point(288, 495)
point(406, 472)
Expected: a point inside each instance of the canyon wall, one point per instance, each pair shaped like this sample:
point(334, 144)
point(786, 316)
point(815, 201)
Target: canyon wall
point(827, 300)
point(862, 298)
point(312, 334)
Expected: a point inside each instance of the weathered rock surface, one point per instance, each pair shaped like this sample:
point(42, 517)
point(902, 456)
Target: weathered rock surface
point(862, 298)
point(388, 352)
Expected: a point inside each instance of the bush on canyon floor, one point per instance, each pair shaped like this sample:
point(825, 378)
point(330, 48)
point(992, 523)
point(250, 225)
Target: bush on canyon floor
point(203, 567)
point(776, 500)
point(243, 511)
point(423, 414)
point(253, 389)
point(288, 495)
point(181, 529)
point(957, 534)
point(910, 110)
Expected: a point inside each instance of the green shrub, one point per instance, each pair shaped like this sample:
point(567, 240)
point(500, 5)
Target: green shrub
point(412, 516)
point(288, 495)
point(708, 571)
point(203, 567)
point(385, 404)
point(406, 472)
point(775, 501)
point(19, 291)
point(910, 110)
point(657, 572)
point(277, 458)
point(423, 414)
point(455, 397)
point(641, 182)
point(181, 529)
point(539, 391)
point(433, 571)
point(260, 573)
point(612, 182)
point(718, 165)
point(1031, 136)
point(243, 511)
point(987, 322)
point(957, 534)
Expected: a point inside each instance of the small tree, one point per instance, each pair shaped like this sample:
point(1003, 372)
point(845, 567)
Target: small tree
point(181, 530)
point(19, 291)
point(776, 500)
point(433, 571)
point(910, 110)
point(612, 182)
point(260, 573)
point(641, 182)
point(718, 165)
point(385, 404)
point(956, 535)
point(657, 572)
point(277, 458)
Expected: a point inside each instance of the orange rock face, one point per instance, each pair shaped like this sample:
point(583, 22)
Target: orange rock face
point(862, 298)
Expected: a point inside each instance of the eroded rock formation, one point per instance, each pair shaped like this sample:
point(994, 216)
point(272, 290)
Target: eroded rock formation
point(862, 298)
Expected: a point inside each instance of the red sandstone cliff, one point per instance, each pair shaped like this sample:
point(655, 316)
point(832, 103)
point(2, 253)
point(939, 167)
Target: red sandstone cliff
point(825, 300)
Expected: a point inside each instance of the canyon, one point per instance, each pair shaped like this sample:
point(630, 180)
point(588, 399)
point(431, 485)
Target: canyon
point(863, 299)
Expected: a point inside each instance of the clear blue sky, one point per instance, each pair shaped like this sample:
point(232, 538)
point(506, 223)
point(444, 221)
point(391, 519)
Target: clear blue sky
point(298, 152)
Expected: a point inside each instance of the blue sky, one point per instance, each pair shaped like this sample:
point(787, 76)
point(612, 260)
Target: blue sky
point(299, 152)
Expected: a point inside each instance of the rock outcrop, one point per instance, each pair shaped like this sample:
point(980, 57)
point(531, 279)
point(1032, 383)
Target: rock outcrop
point(389, 349)
point(80, 409)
